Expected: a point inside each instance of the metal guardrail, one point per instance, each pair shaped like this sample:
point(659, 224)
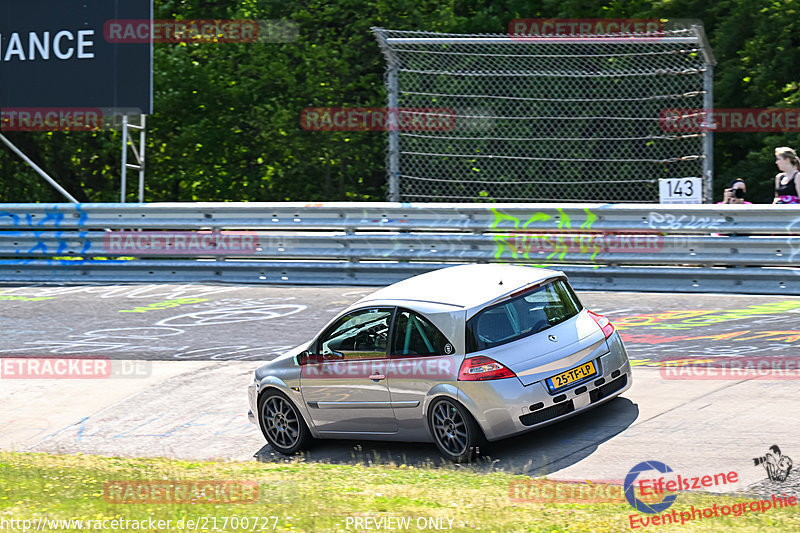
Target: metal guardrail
point(706, 248)
point(609, 248)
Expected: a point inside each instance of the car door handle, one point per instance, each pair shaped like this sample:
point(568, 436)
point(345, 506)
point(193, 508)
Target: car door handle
point(377, 377)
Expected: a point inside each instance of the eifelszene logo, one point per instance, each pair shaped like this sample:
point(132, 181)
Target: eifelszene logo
point(629, 485)
point(663, 484)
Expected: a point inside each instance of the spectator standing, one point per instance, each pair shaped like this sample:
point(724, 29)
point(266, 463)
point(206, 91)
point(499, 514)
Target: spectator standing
point(735, 193)
point(787, 182)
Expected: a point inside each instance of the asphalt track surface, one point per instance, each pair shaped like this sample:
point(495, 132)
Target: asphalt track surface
point(184, 355)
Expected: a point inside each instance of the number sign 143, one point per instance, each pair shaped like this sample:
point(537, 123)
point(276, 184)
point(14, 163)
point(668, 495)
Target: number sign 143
point(680, 190)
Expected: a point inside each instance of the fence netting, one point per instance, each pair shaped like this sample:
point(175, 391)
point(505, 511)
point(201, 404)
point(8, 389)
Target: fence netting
point(546, 119)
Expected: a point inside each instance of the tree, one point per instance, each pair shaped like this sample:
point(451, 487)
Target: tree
point(227, 115)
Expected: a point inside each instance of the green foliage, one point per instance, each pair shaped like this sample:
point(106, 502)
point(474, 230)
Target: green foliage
point(227, 116)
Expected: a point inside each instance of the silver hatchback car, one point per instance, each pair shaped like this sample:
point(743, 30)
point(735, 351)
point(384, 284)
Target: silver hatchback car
point(456, 356)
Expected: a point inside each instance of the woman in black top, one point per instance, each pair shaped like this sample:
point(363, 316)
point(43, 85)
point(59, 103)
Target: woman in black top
point(787, 182)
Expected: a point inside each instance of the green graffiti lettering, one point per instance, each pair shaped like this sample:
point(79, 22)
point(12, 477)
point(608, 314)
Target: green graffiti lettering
point(521, 249)
point(499, 217)
point(563, 220)
point(164, 305)
point(590, 218)
point(537, 217)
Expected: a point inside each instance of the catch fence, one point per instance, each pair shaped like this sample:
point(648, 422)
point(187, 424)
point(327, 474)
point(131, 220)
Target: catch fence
point(547, 118)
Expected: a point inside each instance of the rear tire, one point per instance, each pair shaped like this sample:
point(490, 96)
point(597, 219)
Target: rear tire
point(282, 424)
point(454, 431)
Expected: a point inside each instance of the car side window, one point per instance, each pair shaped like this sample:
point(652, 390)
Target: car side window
point(414, 335)
point(361, 334)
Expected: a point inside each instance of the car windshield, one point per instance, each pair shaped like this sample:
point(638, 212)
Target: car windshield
point(529, 313)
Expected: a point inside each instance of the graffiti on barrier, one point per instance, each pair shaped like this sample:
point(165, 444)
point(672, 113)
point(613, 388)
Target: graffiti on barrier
point(55, 244)
point(668, 221)
point(522, 243)
point(47, 242)
point(53, 217)
point(567, 237)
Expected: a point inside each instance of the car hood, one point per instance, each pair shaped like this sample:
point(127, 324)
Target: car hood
point(282, 361)
point(538, 356)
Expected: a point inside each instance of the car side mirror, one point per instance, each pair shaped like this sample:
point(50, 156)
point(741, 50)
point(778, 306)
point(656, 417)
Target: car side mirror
point(303, 358)
point(308, 358)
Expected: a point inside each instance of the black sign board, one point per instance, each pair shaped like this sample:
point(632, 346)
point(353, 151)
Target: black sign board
point(54, 55)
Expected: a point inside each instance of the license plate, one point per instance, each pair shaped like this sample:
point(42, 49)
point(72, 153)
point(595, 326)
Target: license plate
point(571, 376)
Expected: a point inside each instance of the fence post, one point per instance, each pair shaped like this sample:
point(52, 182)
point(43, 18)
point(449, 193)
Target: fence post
point(394, 144)
point(708, 136)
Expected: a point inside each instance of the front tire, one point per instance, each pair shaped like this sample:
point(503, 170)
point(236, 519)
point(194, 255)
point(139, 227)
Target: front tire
point(282, 424)
point(454, 430)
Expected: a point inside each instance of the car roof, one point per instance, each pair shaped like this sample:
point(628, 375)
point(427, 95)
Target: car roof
point(466, 286)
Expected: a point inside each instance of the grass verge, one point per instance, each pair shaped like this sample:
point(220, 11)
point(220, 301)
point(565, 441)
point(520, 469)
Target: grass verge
point(301, 496)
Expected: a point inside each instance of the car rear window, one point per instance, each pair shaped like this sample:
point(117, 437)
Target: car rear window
point(529, 313)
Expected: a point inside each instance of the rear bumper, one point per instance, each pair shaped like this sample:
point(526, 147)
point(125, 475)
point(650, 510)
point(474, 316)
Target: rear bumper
point(507, 407)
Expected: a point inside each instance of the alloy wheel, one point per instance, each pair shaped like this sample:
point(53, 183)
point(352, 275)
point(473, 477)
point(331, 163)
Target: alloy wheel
point(281, 422)
point(450, 428)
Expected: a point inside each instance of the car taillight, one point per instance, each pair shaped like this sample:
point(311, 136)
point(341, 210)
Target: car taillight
point(482, 369)
point(604, 323)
